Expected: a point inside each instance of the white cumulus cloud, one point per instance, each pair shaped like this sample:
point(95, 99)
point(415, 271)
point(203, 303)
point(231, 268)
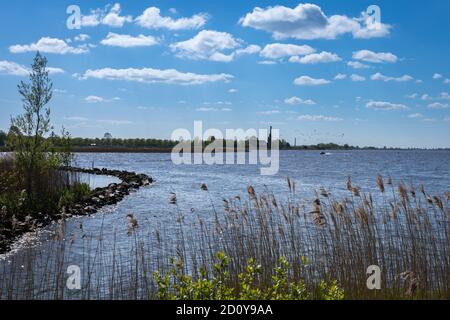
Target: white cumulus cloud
point(15, 69)
point(308, 21)
point(150, 75)
point(384, 105)
point(251, 49)
point(322, 57)
point(308, 81)
point(381, 77)
point(375, 57)
point(296, 100)
point(109, 16)
point(126, 41)
point(12, 68)
point(48, 45)
point(94, 99)
point(53, 70)
point(212, 45)
point(280, 50)
point(151, 18)
point(114, 19)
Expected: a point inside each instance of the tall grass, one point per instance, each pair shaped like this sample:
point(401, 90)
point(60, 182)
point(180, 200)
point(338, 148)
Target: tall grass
point(22, 211)
point(402, 230)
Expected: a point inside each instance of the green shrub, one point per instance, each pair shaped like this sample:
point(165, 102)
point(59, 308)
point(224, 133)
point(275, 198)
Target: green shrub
point(177, 285)
point(330, 291)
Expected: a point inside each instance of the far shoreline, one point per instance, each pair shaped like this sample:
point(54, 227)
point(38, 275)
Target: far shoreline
point(169, 150)
point(116, 149)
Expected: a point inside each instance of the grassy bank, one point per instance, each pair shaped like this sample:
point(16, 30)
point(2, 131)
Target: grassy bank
point(23, 211)
point(259, 246)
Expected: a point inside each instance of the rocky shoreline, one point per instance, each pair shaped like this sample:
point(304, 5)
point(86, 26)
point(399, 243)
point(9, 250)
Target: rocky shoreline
point(97, 198)
point(109, 195)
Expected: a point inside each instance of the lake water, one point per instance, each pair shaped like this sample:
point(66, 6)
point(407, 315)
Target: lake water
point(309, 169)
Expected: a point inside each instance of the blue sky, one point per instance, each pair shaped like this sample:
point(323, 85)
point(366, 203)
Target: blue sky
point(319, 71)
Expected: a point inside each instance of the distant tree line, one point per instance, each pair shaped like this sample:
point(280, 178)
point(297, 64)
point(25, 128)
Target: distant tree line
point(329, 146)
point(108, 141)
point(136, 143)
point(58, 141)
point(118, 142)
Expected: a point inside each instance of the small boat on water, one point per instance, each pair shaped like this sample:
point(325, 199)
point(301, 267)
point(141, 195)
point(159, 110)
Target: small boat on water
point(323, 152)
